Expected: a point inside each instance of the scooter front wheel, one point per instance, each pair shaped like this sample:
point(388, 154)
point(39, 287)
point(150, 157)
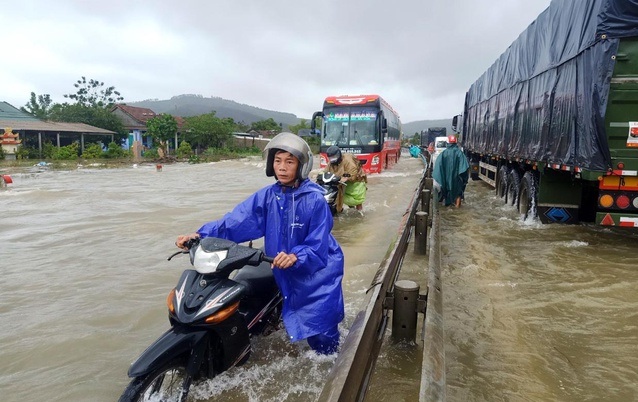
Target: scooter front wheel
point(168, 383)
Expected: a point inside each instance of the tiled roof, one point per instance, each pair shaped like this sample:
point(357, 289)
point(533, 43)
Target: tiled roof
point(141, 114)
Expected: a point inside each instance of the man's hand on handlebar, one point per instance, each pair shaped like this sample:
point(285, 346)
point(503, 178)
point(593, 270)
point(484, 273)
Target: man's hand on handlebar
point(283, 260)
point(184, 241)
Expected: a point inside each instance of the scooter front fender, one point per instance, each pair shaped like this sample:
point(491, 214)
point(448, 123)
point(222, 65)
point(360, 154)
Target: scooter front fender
point(173, 343)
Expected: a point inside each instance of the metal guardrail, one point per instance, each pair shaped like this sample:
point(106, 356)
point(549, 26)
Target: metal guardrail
point(350, 375)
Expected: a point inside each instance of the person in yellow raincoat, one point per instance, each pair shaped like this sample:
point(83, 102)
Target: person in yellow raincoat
point(348, 167)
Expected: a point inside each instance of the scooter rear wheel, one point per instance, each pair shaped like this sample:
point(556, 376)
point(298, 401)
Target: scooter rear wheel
point(168, 383)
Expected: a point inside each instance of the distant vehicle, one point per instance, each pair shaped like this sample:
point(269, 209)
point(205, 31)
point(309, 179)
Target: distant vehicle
point(364, 125)
point(428, 136)
point(440, 143)
point(305, 132)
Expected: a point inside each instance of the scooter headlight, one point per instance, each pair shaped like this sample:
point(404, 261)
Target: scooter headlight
point(206, 262)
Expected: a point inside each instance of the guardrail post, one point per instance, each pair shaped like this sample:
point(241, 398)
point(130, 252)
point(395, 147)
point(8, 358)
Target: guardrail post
point(420, 233)
point(428, 183)
point(425, 200)
point(404, 311)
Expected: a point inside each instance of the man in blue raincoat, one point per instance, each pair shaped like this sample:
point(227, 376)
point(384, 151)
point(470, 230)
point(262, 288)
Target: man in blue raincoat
point(295, 221)
point(451, 172)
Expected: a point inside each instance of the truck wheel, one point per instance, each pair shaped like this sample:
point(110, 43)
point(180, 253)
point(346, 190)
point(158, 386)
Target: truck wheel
point(513, 186)
point(501, 182)
point(527, 196)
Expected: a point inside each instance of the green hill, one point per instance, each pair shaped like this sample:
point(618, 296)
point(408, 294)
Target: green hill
point(194, 105)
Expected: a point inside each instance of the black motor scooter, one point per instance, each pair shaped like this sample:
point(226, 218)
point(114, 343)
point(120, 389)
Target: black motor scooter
point(331, 183)
point(212, 320)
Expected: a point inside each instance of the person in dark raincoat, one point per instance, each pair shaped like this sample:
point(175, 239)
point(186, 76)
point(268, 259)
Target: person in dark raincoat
point(295, 221)
point(451, 172)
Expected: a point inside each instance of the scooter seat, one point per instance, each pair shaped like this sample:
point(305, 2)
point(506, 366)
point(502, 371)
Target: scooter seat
point(259, 281)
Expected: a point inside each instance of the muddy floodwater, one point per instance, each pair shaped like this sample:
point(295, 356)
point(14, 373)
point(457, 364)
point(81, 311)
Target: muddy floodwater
point(537, 312)
point(532, 312)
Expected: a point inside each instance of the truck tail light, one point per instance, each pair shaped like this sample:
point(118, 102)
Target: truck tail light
point(622, 202)
point(606, 201)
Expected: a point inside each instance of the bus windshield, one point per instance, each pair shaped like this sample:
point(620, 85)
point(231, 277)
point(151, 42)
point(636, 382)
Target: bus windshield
point(350, 126)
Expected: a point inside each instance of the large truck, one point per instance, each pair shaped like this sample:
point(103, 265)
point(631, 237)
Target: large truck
point(552, 125)
point(428, 136)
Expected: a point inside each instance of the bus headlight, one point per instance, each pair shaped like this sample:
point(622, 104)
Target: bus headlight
point(375, 160)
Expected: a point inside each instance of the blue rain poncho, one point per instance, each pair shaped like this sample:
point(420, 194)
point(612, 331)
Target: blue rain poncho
point(451, 172)
point(297, 221)
point(415, 151)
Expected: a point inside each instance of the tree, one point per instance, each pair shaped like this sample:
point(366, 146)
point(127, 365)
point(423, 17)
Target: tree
point(92, 107)
point(269, 124)
point(91, 115)
point(301, 126)
point(184, 150)
point(242, 127)
point(39, 106)
point(207, 130)
point(92, 93)
point(162, 128)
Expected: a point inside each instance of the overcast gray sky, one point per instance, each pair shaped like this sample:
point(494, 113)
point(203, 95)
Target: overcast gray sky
point(283, 55)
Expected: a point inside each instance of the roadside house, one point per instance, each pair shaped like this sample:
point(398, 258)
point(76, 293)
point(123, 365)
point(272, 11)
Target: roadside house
point(33, 132)
point(134, 120)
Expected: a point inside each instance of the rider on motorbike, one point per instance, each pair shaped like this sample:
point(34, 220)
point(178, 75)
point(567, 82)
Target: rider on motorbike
point(348, 167)
point(295, 221)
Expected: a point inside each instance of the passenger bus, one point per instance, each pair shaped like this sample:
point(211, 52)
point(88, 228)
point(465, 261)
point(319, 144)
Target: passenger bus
point(364, 125)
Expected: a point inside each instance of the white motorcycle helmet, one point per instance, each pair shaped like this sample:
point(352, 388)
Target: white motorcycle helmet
point(294, 144)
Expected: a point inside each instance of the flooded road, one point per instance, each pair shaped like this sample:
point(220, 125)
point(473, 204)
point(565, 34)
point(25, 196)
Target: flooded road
point(85, 277)
point(532, 312)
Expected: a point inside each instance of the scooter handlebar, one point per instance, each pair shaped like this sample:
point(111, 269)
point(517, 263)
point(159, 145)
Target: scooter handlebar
point(267, 259)
point(191, 243)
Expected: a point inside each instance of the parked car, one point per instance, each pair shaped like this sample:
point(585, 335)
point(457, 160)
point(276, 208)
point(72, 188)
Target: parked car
point(440, 143)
